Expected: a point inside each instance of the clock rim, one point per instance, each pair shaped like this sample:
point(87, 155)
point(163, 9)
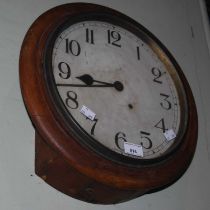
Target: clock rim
point(36, 100)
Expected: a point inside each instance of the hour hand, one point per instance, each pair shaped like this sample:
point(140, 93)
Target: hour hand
point(88, 80)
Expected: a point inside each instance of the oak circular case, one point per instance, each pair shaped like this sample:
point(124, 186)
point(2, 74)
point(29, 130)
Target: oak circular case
point(67, 156)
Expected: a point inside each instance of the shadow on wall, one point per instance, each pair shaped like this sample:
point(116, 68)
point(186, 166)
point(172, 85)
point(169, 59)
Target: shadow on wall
point(208, 8)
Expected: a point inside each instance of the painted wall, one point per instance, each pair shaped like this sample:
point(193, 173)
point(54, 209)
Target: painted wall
point(181, 26)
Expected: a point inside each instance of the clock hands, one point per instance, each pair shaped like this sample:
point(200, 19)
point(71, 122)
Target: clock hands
point(88, 80)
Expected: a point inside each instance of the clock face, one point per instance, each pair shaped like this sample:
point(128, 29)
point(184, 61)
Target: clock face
point(117, 88)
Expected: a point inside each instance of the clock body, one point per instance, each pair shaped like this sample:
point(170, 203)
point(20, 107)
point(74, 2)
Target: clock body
point(113, 113)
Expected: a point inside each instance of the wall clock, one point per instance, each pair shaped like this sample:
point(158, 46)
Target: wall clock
point(113, 113)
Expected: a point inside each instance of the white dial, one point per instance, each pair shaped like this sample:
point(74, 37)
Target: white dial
point(121, 79)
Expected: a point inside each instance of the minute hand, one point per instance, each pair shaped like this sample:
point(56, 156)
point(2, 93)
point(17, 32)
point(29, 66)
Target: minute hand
point(83, 85)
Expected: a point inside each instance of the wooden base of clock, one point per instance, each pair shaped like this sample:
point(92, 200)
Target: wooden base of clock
point(54, 170)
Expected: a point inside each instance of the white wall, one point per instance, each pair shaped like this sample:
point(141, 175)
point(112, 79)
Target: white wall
point(172, 21)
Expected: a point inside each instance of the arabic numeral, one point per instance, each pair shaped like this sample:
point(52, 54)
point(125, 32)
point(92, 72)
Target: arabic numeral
point(146, 142)
point(93, 127)
point(89, 36)
point(138, 52)
point(120, 138)
point(157, 74)
point(64, 70)
point(161, 125)
point(71, 100)
point(113, 38)
point(73, 47)
point(166, 104)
